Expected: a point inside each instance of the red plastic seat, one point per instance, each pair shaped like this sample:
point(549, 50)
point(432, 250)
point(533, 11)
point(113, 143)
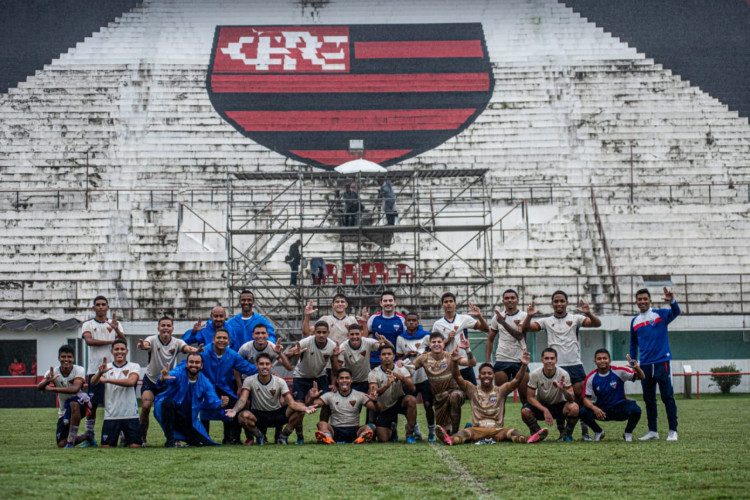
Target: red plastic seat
point(350, 269)
point(406, 271)
point(333, 274)
point(381, 269)
point(368, 269)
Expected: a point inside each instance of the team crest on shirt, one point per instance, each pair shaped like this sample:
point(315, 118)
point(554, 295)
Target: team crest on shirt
point(569, 323)
point(352, 402)
point(273, 392)
point(493, 400)
point(517, 322)
point(125, 372)
point(418, 345)
point(326, 356)
point(444, 366)
point(172, 351)
point(613, 384)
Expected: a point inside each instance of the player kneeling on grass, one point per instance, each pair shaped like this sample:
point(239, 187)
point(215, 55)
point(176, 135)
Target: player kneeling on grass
point(388, 382)
point(121, 410)
point(183, 393)
point(488, 407)
point(607, 384)
point(266, 410)
point(550, 398)
point(345, 405)
point(67, 381)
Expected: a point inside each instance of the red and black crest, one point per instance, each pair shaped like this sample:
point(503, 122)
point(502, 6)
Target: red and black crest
point(306, 91)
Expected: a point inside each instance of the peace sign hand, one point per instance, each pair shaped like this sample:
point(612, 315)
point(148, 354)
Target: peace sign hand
point(585, 309)
point(314, 393)
point(463, 342)
point(474, 311)
point(668, 295)
point(198, 326)
point(532, 310)
point(632, 362)
point(103, 366)
point(310, 309)
point(525, 358)
point(114, 323)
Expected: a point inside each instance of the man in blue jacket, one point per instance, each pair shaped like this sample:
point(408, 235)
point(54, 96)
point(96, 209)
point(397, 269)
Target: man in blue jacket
point(649, 335)
point(240, 327)
point(204, 334)
point(219, 363)
point(187, 392)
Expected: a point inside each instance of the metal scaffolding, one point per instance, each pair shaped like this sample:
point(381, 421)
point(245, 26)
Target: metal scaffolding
point(442, 237)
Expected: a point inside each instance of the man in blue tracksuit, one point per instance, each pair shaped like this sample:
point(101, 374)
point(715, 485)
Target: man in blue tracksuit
point(241, 326)
point(204, 334)
point(219, 364)
point(187, 393)
point(650, 337)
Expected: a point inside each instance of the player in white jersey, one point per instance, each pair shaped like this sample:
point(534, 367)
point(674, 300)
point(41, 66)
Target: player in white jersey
point(390, 382)
point(67, 382)
point(162, 352)
point(562, 335)
point(338, 322)
point(409, 346)
point(315, 354)
point(99, 335)
point(345, 406)
point(452, 324)
point(266, 411)
point(121, 412)
point(354, 354)
point(261, 345)
point(511, 342)
point(550, 398)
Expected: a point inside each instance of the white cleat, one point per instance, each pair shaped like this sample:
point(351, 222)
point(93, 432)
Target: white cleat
point(598, 436)
point(649, 435)
point(672, 436)
point(628, 437)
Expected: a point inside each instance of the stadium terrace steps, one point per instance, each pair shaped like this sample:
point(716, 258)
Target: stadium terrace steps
point(571, 104)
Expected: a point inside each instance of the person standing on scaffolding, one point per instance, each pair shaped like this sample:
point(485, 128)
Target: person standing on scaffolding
point(352, 207)
point(293, 258)
point(388, 196)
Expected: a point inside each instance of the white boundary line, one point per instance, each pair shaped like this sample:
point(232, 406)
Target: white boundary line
point(462, 473)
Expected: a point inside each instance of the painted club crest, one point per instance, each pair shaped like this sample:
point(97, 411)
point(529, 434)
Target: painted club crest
point(493, 400)
point(305, 91)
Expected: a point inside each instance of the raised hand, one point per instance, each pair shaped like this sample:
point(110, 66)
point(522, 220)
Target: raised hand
point(364, 317)
point(584, 307)
point(455, 355)
point(380, 339)
point(525, 358)
point(230, 413)
point(103, 366)
point(141, 345)
point(632, 362)
point(562, 385)
point(400, 363)
point(463, 342)
point(114, 323)
point(314, 392)
point(198, 326)
point(532, 310)
point(453, 333)
point(668, 295)
point(50, 376)
point(200, 348)
point(474, 311)
point(499, 316)
point(165, 375)
point(337, 350)
point(373, 395)
point(310, 309)
point(278, 349)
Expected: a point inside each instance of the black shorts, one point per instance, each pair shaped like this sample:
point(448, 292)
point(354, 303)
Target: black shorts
point(63, 430)
point(345, 434)
point(266, 419)
point(300, 386)
point(96, 392)
point(576, 372)
point(149, 385)
point(510, 369)
point(361, 386)
point(556, 410)
point(389, 416)
point(130, 427)
point(469, 375)
point(422, 388)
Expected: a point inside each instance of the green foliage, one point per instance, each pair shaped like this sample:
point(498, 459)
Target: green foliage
point(708, 461)
point(726, 382)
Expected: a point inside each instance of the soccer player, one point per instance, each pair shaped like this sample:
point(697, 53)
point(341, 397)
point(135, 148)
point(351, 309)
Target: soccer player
point(487, 407)
point(162, 351)
point(354, 354)
point(345, 405)
point(338, 322)
point(387, 323)
point(510, 342)
point(261, 345)
point(184, 392)
point(409, 346)
point(451, 324)
point(67, 382)
point(446, 395)
point(121, 411)
point(607, 384)
point(219, 363)
point(99, 333)
point(311, 367)
point(389, 381)
point(266, 410)
point(649, 343)
point(204, 334)
point(550, 398)
point(562, 335)
point(241, 326)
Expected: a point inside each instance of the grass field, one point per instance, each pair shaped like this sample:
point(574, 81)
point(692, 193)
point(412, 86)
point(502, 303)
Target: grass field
point(711, 460)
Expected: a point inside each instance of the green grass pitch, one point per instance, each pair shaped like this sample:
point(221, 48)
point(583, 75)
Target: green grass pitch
point(711, 460)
